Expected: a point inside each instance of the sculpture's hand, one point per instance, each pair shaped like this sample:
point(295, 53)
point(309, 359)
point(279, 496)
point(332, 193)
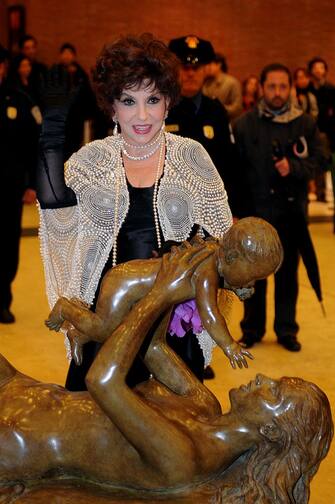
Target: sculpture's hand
point(55, 320)
point(177, 269)
point(244, 292)
point(76, 345)
point(237, 355)
point(197, 240)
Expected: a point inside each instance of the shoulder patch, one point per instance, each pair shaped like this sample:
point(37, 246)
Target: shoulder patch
point(208, 131)
point(12, 113)
point(172, 128)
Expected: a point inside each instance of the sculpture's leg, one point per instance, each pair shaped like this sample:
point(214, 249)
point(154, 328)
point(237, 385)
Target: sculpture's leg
point(171, 370)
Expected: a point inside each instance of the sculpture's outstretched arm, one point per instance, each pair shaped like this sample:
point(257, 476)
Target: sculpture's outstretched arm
point(207, 286)
point(164, 447)
point(121, 287)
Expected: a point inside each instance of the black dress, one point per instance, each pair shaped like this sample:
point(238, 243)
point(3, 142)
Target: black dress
point(137, 240)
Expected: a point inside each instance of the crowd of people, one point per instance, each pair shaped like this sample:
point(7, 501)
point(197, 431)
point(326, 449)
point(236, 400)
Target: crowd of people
point(23, 80)
point(192, 148)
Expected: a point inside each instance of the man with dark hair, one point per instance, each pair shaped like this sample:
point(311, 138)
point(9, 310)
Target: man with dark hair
point(279, 149)
point(223, 86)
point(274, 67)
point(324, 92)
point(68, 55)
point(28, 47)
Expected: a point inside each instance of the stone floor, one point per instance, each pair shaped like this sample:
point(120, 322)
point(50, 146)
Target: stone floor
point(39, 353)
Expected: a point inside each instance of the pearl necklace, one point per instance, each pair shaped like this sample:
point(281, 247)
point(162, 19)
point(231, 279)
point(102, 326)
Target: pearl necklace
point(143, 157)
point(154, 202)
point(145, 146)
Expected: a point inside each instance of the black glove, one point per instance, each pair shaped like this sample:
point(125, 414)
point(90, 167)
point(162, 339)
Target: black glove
point(58, 94)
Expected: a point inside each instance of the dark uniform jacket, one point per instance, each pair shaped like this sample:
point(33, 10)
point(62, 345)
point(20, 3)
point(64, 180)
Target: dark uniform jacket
point(263, 191)
point(325, 96)
point(206, 120)
point(18, 139)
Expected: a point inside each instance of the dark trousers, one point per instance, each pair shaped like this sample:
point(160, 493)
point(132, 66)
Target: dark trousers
point(286, 293)
point(11, 214)
point(75, 380)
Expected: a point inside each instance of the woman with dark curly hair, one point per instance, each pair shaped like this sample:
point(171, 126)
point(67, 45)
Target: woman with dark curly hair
point(128, 194)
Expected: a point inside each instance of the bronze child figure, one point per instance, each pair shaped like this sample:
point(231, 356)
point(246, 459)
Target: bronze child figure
point(249, 251)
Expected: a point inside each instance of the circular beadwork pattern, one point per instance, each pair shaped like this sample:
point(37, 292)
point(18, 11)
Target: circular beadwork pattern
point(62, 221)
point(194, 155)
point(91, 253)
point(99, 205)
point(177, 208)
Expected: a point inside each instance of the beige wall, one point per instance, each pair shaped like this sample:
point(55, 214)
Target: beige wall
point(250, 32)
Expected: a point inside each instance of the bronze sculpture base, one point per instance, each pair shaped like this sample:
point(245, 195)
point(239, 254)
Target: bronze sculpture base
point(75, 492)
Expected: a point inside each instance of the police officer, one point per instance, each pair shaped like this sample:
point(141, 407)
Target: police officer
point(18, 150)
point(201, 118)
point(198, 117)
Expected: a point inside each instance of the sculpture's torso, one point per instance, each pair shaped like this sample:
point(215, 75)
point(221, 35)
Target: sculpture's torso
point(47, 432)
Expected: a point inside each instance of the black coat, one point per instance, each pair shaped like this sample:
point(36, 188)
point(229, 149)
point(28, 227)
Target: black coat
point(18, 139)
point(263, 192)
point(325, 96)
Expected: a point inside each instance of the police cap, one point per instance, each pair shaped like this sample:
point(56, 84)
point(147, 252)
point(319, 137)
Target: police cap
point(192, 50)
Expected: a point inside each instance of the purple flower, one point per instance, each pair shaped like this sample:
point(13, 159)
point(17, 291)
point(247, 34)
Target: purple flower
point(185, 317)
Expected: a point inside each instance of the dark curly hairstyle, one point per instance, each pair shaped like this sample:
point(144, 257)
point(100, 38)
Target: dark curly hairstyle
point(130, 61)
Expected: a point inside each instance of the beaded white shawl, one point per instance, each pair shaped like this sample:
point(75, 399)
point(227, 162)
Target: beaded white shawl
point(76, 241)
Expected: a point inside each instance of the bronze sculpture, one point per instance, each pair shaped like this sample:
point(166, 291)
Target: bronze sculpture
point(168, 433)
point(249, 251)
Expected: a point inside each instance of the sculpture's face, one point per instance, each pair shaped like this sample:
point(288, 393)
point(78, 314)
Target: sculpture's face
point(258, 402)
point(250, 251)
point(140, 113)
point(244, 273)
